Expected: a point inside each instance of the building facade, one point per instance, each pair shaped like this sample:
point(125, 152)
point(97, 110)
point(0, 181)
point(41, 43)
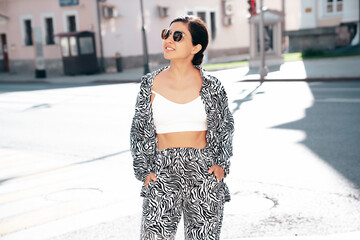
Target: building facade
point(326, 25)
point(120, 25)
point(117, 25)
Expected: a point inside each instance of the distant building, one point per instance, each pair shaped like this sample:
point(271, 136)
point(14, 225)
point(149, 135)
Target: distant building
point(325, 24)
point(120, 29)
point(120, 23)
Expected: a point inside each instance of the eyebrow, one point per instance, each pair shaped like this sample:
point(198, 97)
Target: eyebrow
point(176, 30)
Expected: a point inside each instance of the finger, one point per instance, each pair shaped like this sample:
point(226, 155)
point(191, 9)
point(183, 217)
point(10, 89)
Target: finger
point(219, 173)
point(147, 180)
point(211, 169)
point(154, 178)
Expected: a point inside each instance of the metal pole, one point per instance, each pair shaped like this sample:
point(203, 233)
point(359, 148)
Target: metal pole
point(102, 68)
point(146, 55)
point(263, 70)
point(283, 26)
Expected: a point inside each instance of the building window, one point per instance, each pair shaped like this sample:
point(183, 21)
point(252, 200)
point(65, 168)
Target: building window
point(49, 34)
point(73, 46)
point(86, 45)
point(334, 6)
point(339, 5)
point(28, 32)
point(64, 44)
point(202, 15)
point(71, 23)
point(209, 17)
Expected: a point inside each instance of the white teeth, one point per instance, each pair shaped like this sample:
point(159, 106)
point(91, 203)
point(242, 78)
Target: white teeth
point(168, 48)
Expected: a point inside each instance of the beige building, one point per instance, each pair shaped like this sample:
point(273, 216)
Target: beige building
point(325, 24)
point(120, 25)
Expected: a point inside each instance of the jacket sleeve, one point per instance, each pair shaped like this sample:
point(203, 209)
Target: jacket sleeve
point(225, 129)
point(139, 142)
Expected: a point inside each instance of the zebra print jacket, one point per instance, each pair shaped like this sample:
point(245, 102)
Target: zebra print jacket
point(143, 140)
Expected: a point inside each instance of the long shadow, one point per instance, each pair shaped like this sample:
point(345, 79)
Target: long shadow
point(101, 158)
point(256, 70)
point(332, 127)
point(6, 87)
point(248, 97)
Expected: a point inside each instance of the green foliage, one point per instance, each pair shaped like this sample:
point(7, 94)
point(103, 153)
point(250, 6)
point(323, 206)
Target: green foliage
point(312, 52)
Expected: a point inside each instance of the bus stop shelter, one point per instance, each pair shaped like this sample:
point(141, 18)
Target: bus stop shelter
point(78, 52)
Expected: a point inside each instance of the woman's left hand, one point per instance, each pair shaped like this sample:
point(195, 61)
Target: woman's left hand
point(218, 171)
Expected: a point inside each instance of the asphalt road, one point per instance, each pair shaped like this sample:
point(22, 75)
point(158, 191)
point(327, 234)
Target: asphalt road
point(66, 170)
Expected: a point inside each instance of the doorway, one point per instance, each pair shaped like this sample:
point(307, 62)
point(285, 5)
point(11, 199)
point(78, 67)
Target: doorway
point(4, 55)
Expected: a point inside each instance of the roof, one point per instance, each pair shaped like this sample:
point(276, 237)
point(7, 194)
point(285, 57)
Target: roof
point(270, 16)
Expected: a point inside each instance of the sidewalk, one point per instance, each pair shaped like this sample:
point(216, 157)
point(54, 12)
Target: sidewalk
point(341, 68)
point(340, 236)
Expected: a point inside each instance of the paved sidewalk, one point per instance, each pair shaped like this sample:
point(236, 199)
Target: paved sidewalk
point(341, 68)
point(340, 236)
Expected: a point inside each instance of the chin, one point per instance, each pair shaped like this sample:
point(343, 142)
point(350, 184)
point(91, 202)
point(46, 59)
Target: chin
point(166, 56)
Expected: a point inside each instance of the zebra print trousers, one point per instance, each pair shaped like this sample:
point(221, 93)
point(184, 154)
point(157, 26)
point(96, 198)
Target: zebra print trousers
point(183, 187)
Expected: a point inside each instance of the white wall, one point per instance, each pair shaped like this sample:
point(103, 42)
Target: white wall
point(123, 34)
point(308, 12)
point(351, 10)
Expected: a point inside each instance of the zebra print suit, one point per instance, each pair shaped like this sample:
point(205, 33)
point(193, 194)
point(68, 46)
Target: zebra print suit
point(183, 183)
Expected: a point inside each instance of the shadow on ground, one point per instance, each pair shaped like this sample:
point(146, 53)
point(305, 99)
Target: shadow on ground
point(6, 87)
point(248, 97)
point(256, 70)
point(331, 127)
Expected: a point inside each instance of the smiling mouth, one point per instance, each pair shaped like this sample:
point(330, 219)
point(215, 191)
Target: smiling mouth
point(169, 49)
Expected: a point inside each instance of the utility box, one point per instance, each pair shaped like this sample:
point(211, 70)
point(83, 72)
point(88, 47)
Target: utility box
point(78, 53)
point(272, 39)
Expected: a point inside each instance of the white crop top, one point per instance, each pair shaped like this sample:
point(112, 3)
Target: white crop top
point(176, 117)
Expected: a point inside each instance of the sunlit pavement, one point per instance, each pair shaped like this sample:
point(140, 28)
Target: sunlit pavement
point(340, 69)
point(66, 172)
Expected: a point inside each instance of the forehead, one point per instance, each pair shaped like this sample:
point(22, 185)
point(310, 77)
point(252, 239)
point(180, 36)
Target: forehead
point(179, 26)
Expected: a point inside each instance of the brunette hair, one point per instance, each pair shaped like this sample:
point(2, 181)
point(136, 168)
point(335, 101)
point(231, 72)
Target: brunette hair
point(199, 35)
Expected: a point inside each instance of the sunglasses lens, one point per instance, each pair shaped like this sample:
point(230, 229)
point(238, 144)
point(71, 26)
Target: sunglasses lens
point(177, 36)
point(165, 34)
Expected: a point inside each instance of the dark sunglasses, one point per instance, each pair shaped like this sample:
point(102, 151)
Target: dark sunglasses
point(177, 35)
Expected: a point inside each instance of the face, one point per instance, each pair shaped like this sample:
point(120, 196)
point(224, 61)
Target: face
point(183, 49)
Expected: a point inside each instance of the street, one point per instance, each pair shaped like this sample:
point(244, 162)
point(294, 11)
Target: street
point(66, 170)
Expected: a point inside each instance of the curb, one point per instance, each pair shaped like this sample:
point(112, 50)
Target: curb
point(114, 81)
point(336, 236)
point(334, 79)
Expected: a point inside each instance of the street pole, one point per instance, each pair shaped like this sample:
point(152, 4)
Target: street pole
point(263, 70)
point(359, 23)
point(102, 68)
point(283, 26)
point(146, 55)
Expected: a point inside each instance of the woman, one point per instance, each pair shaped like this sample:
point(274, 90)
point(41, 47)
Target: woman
point(181, 139)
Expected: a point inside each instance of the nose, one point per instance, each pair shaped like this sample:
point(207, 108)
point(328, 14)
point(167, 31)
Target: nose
point(169, 39)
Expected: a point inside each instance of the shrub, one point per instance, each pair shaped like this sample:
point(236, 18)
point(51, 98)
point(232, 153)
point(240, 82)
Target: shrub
point(312, 52)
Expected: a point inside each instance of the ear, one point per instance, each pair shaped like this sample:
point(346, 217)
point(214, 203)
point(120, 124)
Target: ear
point(196, 49)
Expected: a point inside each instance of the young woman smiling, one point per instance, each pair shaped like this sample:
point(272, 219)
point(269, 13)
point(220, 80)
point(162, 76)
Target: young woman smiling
point(181, 139)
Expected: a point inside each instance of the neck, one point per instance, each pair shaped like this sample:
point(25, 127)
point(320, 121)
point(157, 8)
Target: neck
point(180, 69)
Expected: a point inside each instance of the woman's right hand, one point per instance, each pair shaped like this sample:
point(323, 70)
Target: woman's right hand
point(150, 177)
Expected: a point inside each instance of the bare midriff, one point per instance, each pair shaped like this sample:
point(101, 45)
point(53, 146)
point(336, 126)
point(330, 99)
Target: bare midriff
point(195, 139)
